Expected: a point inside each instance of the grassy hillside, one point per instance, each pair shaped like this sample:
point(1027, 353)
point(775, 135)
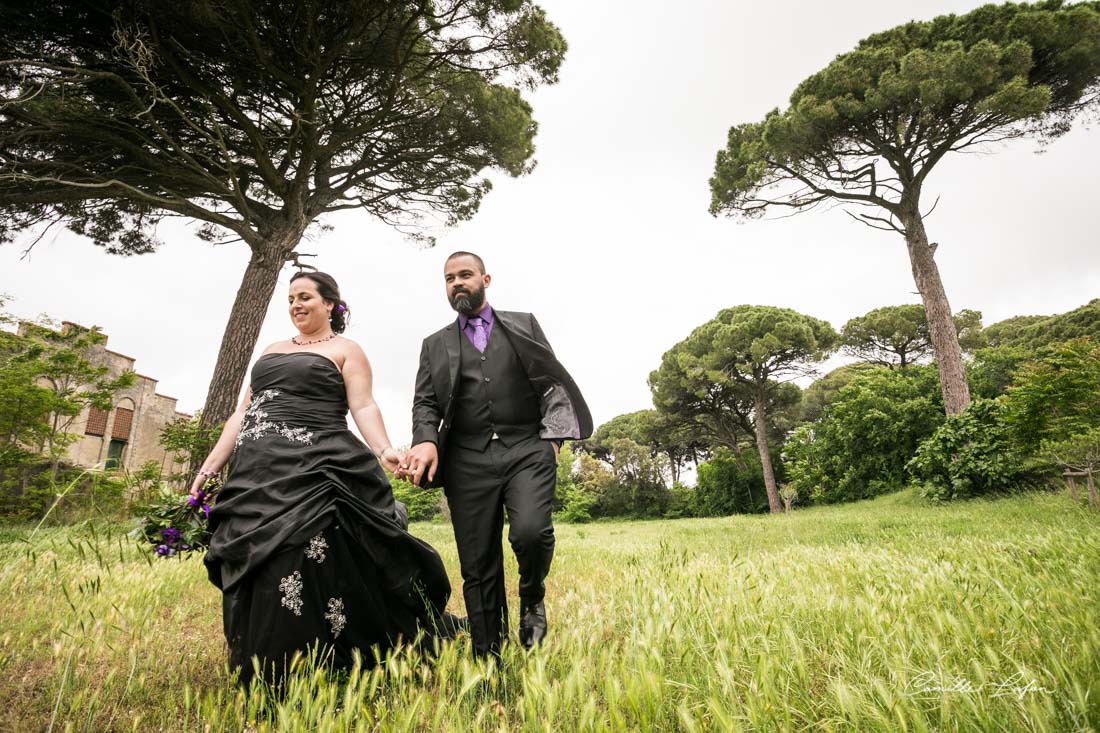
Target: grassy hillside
point(885, 615)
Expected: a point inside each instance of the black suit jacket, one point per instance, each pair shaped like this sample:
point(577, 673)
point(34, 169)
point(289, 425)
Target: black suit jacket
point(564, 412)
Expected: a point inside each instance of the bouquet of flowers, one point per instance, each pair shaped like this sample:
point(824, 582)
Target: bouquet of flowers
point(176, 525)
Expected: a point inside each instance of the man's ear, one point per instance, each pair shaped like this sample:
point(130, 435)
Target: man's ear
point(487, 279)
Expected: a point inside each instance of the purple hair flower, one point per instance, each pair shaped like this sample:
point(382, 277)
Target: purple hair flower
point(340, 308)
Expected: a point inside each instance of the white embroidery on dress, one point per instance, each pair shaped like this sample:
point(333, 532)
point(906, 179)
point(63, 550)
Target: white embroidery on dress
point(335, 615)
point(316, 549)
point(291, 586)
point(256, 425)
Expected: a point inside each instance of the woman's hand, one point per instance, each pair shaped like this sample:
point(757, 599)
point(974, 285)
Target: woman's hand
point(219, 455)
point(197, 484)
point(391, 460)
point(200, 481)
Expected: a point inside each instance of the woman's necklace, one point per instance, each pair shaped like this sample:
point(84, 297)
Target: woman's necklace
point(294, 340)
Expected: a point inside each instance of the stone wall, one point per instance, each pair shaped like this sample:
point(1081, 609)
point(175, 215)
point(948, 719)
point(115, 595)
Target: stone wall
point(149, 413)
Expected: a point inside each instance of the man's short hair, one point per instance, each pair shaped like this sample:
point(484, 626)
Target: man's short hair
point(480, 262)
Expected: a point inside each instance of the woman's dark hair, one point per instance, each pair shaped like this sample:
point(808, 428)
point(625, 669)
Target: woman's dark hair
point(330, 291)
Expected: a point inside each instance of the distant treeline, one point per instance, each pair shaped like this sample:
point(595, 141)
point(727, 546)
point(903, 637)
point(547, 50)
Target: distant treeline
point(869, 427)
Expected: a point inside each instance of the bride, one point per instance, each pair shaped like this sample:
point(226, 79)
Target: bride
point(308, 544)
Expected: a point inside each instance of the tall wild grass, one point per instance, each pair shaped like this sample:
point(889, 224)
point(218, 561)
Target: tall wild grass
point(890, 615)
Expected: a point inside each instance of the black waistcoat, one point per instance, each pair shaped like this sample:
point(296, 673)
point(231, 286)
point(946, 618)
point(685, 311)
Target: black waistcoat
point(494, 395)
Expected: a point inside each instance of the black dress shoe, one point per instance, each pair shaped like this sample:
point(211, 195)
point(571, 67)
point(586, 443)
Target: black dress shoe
point(532, 625)
point(449, 625)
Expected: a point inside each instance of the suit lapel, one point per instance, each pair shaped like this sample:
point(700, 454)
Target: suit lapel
point(454, 354)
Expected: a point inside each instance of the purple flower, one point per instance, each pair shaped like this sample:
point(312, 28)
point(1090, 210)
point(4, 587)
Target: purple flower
point(206, 511)
point(163, 550)
point(185, 547)
point(171, 535)
point(197, 499)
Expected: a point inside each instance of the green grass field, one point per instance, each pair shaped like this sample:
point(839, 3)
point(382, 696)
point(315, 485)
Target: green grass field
point(880, 616)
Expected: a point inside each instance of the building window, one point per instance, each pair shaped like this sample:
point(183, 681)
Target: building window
point(114, 453)
point(97, 422)
point(123, 419)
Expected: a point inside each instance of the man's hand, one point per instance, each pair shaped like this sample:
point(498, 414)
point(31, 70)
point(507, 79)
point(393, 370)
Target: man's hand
point(421, 458)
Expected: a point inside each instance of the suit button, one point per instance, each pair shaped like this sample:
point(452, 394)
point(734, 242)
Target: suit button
point(483, 358)
point(486, 379)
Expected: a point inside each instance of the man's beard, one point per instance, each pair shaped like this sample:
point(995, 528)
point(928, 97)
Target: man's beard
point(468, 303)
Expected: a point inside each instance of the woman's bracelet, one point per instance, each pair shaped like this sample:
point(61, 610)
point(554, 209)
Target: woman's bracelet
point(207, 474)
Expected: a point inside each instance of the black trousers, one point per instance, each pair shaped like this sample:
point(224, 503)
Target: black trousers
point(480, 486)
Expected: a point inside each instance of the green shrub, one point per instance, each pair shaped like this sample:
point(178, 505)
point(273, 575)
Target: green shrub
point(595, 491)
point(867, 434)
point(422, 504)
point(567, 459)
point(1056, 396)
point(728, 484)
point(1080, 452)
point(27, 492)
point(190, 441)
point(682, 502)
point(640, 489)
point(144, 483)
point(993, 368)
point(577, 505)
point(30, 494)
point(971, 454)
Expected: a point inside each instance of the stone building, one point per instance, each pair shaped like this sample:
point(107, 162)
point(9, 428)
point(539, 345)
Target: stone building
point(128, 435)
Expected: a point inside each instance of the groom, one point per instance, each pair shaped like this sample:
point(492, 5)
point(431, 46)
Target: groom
point(491, 410)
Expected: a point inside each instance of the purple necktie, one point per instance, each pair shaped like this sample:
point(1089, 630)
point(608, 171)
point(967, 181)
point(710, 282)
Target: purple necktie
point(477, 333)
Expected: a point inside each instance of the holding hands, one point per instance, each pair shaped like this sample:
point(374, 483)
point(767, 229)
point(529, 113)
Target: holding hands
point(392, 460)
point(421, 458)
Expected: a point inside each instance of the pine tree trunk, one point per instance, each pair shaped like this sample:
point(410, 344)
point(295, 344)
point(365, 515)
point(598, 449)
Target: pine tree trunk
point(243, 329)
point(941, 326)
point(765, 456)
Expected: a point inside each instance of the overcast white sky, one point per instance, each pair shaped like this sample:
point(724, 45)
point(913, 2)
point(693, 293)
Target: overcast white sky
point(609, 241)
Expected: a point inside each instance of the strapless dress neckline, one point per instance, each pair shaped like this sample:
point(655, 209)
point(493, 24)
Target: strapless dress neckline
point(307, 353)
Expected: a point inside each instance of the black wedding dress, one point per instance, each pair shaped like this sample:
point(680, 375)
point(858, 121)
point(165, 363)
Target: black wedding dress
point(308, 544)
